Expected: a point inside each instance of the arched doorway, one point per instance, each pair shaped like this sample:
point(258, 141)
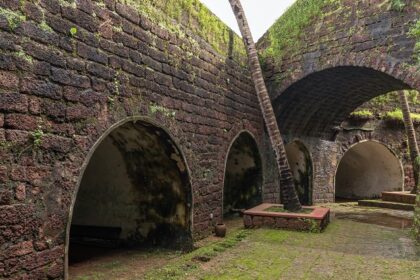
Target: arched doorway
point(134, 192)
point(366, 170)
point(243, 175)
point(301, 165)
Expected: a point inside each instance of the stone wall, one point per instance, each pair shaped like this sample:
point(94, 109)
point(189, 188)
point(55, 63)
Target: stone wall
point(335, 55)
point(323, 59)
point(71, 72)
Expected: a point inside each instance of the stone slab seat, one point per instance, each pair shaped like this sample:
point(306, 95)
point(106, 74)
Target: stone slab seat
point(402, 197)
point(317, 220)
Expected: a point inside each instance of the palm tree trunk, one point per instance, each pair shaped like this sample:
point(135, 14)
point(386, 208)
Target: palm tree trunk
point(287, 185)
point(412, 140)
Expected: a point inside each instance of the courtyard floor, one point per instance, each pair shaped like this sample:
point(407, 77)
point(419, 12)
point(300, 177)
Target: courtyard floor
point(359, 243)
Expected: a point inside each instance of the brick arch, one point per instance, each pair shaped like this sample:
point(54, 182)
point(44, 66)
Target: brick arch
point(155, 122)
point(304, 148)
point(407, 74)
point(368, 36)
point(319, 101)
point(348, 146)
point(238, 133)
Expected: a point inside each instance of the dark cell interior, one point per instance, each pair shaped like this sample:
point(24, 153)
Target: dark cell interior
point(243, 176)
point(135, 192)
point(366, 170)
point(301, 165)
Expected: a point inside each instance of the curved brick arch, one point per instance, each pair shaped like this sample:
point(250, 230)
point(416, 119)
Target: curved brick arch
point(367, 35)
point(157, 123)
point(320, 101)
point(299, 145)
point(259, 155)
point(365, 140)
point(409, 75)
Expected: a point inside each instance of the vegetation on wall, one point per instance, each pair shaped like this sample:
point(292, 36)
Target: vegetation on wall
point(197, 17)
point(392, 97)
point(397, 5)
point(415, 32)
point(286, 31)
point(397, 115)
point(362, 115)
point(13, 18)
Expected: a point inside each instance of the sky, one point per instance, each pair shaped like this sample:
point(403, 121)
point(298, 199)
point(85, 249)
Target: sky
point(261, 14)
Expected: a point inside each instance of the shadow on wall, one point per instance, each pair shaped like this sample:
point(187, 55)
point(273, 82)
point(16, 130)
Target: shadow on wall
point(243, 175)
point(366, 170)
point(301, 165)
point(134, 191)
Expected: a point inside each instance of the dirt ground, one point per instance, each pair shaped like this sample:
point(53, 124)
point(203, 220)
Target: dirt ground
point(359, 243)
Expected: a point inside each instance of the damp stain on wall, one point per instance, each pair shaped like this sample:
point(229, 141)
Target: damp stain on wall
point(243, 177)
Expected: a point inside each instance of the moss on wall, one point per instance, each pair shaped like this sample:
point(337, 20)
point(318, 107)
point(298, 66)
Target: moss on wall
point(199, 19)
point(415, 32)
point(285, 34)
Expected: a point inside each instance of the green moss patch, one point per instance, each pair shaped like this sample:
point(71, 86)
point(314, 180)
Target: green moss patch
point(285, 34)
point(194, 15)
point(14, 19)
point(415, 33)
point(397, 116)
point(278, 209)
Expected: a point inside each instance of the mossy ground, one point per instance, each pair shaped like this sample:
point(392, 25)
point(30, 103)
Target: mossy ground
point(346, 250)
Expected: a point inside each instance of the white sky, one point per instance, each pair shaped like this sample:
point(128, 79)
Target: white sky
point(261, 14)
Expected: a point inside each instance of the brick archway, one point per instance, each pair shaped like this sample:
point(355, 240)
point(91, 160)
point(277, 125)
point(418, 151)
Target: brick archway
point(243, 160)
point(318, 102)
point(366, 168)
point(169, 146)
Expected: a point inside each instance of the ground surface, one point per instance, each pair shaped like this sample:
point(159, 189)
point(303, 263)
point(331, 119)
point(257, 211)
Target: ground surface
point(360, 243)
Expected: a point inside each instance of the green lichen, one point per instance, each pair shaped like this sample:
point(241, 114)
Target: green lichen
point(14, 19)
point(44, 26)
point(24, 56)
point(68, 3)
point(397, 5)
point(415, 33)
point(155, 108)
point(73, 31)
point(199, 19)
point(362, 114)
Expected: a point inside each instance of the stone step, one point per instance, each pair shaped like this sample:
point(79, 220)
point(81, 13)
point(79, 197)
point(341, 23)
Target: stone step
point(387, 204)
point(401, 197)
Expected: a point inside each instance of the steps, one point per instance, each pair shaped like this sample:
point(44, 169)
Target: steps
point(387, 204)
point(401, 197)
point(392, 200)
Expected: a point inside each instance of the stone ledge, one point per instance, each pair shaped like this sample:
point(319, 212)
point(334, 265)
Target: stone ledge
point(401, 197)
point(386, 204)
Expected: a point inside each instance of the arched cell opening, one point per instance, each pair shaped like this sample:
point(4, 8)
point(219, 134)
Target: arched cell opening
point(243, 176)
point(301, 165)
point(135, 192)
point(366, 170)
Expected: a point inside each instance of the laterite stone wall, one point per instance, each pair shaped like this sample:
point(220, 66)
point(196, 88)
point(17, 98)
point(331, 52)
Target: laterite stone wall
point(334, 56)
point(71, 70)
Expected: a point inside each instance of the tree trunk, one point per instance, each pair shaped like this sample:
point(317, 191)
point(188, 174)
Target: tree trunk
point(412, 140)
point(287, 185)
